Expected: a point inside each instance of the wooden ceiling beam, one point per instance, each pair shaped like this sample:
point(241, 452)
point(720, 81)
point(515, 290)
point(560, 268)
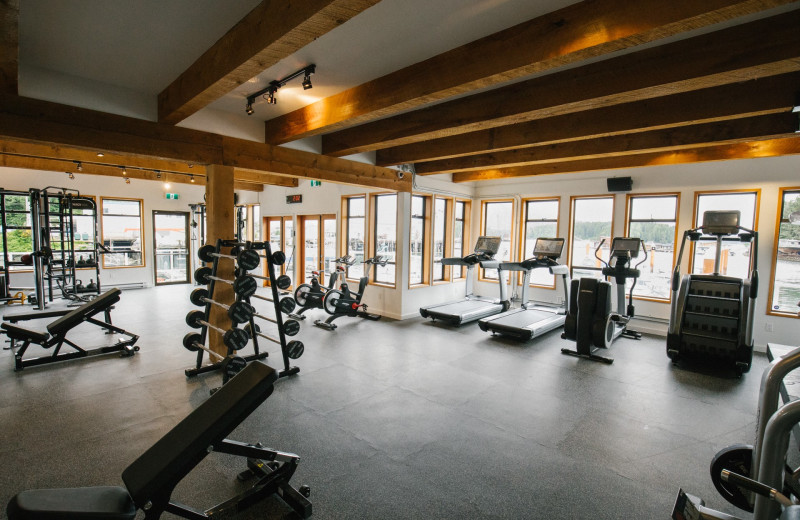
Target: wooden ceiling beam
point(272, 31)
point(724, 152)
point(771, 126)
point(64, 127)
point(727, 56)
point(584, 30)
point(9, 46)
point(756, 97)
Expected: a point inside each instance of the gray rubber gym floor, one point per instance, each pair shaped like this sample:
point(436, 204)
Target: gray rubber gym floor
point(392, 420)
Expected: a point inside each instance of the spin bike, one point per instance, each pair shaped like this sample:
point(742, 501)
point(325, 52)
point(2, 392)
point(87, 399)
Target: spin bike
point(344, 302)
point(591, 323)
point(310, 295)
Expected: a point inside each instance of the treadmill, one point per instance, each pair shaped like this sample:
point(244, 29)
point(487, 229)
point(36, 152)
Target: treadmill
point(472, 307)
point(530, 320)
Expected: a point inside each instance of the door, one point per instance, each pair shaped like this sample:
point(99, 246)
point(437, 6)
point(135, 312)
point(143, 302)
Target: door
point(318, 249)
point(280, 233)
point(170, 239)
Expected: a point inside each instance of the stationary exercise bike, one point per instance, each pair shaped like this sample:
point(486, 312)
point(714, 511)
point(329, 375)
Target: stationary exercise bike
point(344, 302)
point(591, 323)
point(310, 295)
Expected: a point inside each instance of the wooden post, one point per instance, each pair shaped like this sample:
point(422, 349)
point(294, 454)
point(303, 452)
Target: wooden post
point(220, 222)
point(9, 46)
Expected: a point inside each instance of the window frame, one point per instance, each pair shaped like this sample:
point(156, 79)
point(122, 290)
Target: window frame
point(484, 204)
point(344, 229)
point(571, 234)
point(142, 253)
point(523, 235)
point(465, 228)
point(629, 207)
point(265, 233)
point(447, 241)
point(372, 234)
point(426, 234)
point(779, 219)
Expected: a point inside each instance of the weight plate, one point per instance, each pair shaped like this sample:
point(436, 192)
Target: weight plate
point(301, 294)
point(287, 305)
point(284, 282)
point(245, 286)
point(191, 340)
point(235, 339)
point(198, 296)
point(201, 275)
point(294, 349)
point(240, 312)
point(232, 365)
point(248, 259)
point(206, 253)
point(194, 318)
point(278, 257)
point(249, 330)
point(738, 459)
point(330, 300)
point(291, 327)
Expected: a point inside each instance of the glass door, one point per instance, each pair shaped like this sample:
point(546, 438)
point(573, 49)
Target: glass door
point(170, 239)
point(280, 233)
point(318, 245)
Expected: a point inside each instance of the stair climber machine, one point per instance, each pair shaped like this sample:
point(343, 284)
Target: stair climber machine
point(530, 321)
point(591, 323)
point(711, 316)
point(472, 307)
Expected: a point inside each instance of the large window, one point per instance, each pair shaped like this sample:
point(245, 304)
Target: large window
point(460, 235)
point(735, 256)
point(355, 233)
point(591, 221)
point(122, 232)
point(418, 272)
point(17, 229)
point(441, 209)
point(280, 232)
point(653, 218)
point(785, 285)
point(384, 241)
point(497, 221)
point(540, 221)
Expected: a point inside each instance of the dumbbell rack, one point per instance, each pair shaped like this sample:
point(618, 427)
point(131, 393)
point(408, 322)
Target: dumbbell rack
point(200, 368)
point(288, 370)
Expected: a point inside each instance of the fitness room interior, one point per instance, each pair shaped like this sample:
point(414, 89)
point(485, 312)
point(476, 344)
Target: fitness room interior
point(310, 275)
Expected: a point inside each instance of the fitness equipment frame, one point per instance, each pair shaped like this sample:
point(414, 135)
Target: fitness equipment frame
point(591, 323)
point(344, 302)
point(151, 479)
point(472, 307)
point(310, 295)
point(711, 316)
point(530, 320)
point(56, 335)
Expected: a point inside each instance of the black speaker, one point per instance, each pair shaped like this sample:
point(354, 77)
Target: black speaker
point(619, 183)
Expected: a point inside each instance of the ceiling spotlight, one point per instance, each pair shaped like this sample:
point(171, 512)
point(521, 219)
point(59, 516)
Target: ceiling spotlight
point(100, 154)
point(307, 82)
point(127, 180)
point(270, 97)
point(124, 171)
point(167, 186)
point(249, 108)
point(191, 178)
point(78, 166)
point(268, 92)
point(70, 175)
point(158, 174)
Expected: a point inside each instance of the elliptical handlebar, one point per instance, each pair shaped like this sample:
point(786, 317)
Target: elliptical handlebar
point(641, 242)
point(602, 241)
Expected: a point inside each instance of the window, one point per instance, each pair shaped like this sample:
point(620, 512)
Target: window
point(354, 210)
point(254, 219)
point(497, 221)
point(441, 207)
point(17, 230)
point(653, 218)
point(281, 238)
point(591, 220)
point(541, 220)
point(419, 253)
point(785, 285)
point(384, 241)
point(122, 232)
point(735, 256)
point(318, 236)
point(460, 235)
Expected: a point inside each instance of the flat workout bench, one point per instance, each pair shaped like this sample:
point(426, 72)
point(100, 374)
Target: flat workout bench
point(151, 479)
point(58, 329)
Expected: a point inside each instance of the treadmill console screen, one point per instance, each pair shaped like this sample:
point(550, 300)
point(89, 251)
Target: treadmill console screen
point(549, 247)
point(721, 222)
point(624, 246)
point(488, 245)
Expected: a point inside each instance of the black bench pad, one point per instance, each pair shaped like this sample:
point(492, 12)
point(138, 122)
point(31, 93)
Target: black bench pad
point(38, 315)
point(23, 334)
point(102, 503)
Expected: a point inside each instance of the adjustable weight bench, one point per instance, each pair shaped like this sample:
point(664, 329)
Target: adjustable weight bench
point(56, 335)
point(151, 479)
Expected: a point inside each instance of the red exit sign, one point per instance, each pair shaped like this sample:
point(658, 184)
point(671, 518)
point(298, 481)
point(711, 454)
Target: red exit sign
point(294, 199)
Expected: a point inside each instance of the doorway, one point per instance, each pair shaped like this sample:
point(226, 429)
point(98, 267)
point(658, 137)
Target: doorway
point(318, 245)
point(170, 247)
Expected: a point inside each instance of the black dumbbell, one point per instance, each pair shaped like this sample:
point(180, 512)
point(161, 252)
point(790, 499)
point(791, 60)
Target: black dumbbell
point(286, 305)
point(247, 259)
point(290, 327)
point(238, 311)
point(245, 285)
point(234, 339)
point(277, 258)
point(294, 349)
point(283, 282)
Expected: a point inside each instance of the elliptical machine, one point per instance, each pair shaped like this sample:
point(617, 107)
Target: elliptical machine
point(591, 323)
point(711, 315)
point(310, 295)
point(344, 302)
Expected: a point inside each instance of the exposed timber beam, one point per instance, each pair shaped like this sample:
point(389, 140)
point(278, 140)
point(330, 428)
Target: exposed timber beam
point(767, 95)
point(9, 46)
point(45, 123)
point(577, 32)
point(272, 31)
point(727, 56)
point(758, 128)
point(724, 152)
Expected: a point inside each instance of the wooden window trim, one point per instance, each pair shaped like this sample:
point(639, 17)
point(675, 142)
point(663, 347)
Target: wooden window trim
point(778, 219)
point(372, 235)
point(447, 249)
point(572, 200)
point(523, 221)
point(426, 249)
point(344, 227)
point(141, 230)
point(481, 274)
point(465, 228)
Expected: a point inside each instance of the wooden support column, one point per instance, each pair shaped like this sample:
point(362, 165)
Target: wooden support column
point(220, 221)
point(9, 46)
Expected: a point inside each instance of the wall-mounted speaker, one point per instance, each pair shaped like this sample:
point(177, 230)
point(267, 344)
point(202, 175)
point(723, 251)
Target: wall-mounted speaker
point(619, 183)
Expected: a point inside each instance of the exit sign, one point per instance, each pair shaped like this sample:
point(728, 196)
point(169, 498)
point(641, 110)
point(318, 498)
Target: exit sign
point(294, 199)
point(172, 196)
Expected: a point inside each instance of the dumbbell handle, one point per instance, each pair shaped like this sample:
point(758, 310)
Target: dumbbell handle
point(215, 302)
point(265, 318)
point(266, 299)
point(262, 335)
point(203, 347)
point(210, 326)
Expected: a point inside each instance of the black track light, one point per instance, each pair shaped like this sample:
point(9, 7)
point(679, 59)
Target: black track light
point(249, 108)
point(268, 92)
point(79, 166)
point(307, 82)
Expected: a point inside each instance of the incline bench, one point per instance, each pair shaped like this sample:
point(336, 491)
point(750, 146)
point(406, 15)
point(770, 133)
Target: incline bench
point(57, 331)
point(151, 479)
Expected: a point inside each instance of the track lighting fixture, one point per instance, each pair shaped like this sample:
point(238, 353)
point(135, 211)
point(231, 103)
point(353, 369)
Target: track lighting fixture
point(101, 154)
point(191, 178)
point(268, 93)
point(124, 171)
point(79, 166)
point(70, 175)
point(158, 174)
point(127, 180)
